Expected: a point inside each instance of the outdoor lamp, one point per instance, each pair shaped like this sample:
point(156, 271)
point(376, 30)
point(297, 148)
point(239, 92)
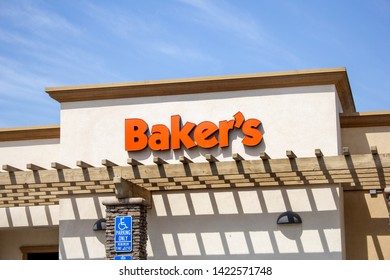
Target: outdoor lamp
point(99, 225)
point(289, 217)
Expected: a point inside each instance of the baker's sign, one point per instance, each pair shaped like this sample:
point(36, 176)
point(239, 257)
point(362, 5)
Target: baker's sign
point(205, 134)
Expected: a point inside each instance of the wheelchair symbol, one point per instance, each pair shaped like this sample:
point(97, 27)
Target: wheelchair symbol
point(122, 225)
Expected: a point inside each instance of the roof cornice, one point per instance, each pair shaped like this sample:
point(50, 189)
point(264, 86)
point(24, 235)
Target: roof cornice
point(334, 76)
point(29, 133)
point(365, 119)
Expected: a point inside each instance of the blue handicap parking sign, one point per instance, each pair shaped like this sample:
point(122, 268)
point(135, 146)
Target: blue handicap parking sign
point(122, 257)
point(123, 234)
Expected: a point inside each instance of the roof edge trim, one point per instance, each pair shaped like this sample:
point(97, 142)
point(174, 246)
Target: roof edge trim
point(30, 133)
point(365, 119)
point(335, 76)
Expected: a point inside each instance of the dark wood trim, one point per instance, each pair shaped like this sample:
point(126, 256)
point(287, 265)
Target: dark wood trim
point(380, 118)
point(30, 133)
point(332, 76)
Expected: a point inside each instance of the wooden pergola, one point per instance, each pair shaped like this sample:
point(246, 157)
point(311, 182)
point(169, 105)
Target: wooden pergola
point(39, 186)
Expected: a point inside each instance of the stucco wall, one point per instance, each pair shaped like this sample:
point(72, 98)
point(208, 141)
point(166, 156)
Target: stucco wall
point(299, 119)
point(40, 152)
point(27, 226)
point(219, 224)
point(12, 239)
point(30, 216)
point(241, 223)
point(77, 238)
point(359, 139)
point(367, 227)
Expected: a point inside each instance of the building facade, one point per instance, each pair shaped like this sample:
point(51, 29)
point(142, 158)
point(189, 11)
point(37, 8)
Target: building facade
point(262, 166)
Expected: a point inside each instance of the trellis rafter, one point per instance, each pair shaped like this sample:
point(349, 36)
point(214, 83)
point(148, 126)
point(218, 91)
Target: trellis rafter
point(38, 186)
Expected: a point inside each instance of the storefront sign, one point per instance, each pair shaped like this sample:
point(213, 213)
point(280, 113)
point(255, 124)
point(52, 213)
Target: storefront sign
point(205, 135)
point(123, 234)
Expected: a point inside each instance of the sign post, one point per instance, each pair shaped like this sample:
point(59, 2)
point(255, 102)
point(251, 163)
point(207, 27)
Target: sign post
point(123, 234)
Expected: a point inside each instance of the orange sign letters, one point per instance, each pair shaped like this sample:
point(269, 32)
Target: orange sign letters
point(190, 135)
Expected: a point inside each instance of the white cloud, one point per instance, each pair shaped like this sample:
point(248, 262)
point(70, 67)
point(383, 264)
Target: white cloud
point(242, 27)
point(126, 24)
point(37, 19)
point(228, 18)
point(145, 32)
point(180, 51)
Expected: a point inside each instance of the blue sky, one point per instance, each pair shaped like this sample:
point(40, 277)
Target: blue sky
point(76, 42)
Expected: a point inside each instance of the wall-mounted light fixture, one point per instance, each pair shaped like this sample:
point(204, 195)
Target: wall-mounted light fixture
point(289, 217)
point(99, 225)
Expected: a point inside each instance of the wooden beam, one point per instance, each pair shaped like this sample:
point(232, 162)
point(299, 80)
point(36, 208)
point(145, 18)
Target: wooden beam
point(358, 172)
point(159, 161)
point(225, 168)
point(127, 189)
point(122, 187)
point(346, 151)
point(58, 166)
point(318, 153)
point(67, 175)
point(264, 156)
point(253, 166)
point(237, 157)
point(83, 164)
point(184, 159)
point(108, 163)
point(34, 167)
point(211, 158)
point(133, 162)
point(290, 154)
point(10, 168)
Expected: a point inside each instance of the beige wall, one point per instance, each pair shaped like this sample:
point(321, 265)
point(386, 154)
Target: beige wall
point(359, 139)
point(299, 119)
point(27, 226)
point(12, 239)
point(77, 238)
point(40, 152)
point(241, 223)
point(367, 229)
point(30, 216)
point(219, 224)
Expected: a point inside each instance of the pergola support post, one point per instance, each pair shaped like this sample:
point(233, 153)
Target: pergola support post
point(124, 205)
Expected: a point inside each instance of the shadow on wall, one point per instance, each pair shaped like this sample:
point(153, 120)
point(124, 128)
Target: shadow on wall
point(77, 238)
point(367, 228)
point(232, 224)
point(359, 139)
point(29, 216)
